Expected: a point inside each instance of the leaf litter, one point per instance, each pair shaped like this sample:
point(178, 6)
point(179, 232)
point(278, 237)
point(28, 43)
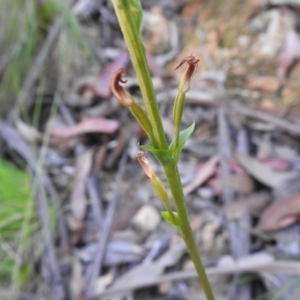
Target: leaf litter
point(102, 231)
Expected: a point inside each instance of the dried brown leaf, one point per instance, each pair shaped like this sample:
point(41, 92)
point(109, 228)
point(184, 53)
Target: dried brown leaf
point(240, 183)
point(281, 214)
point(278, 164)
point(203, 174)
point(236, 167)
point(257, 202)
point(261, 172)
point(237, 182)
point(93, 125)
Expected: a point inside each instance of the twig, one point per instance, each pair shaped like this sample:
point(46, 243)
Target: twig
point(107, 225)
point(93, 185)
point(250, 112)
point(225, 151)
point(240, 266)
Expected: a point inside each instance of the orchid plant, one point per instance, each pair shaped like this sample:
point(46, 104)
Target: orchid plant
point(129, 14)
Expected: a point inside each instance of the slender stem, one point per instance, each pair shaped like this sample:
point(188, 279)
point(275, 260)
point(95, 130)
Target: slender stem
point(137, 53)
point(173, 177)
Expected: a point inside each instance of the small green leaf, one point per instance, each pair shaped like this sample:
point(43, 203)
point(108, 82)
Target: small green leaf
point(183, 136)
point(163, 156)
point(166, 215)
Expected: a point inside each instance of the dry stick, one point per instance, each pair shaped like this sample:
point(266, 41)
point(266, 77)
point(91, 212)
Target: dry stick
point(92, 183)
point(253, 113)
point(273, 267)
point(107, 225)
point(237, 234)
point(14, 140)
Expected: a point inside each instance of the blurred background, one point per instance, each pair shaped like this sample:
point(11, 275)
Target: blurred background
point(79, 218)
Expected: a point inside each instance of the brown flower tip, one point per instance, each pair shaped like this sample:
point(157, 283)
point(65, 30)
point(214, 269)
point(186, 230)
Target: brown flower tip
point(119, 92)
point(192, 65)
point(145, 164)
point(190, 60)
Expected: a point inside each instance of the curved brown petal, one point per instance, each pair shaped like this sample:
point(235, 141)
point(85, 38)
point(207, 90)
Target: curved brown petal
point(192, 65)
point(119, 92)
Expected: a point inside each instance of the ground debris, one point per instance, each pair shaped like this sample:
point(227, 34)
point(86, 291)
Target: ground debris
point(98, 229)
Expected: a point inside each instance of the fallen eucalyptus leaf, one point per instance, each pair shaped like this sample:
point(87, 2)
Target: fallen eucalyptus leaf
point(262, 172)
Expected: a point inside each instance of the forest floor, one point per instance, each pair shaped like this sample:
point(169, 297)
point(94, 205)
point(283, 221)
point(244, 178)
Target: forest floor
point(78, 217)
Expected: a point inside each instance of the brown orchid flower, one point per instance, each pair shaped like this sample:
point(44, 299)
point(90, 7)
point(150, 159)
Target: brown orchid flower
point(189, 72)
point(119, 91)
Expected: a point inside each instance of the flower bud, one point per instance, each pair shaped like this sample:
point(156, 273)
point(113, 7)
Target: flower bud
point(145, 164)
point(156, 182)
point(180, 98)
point(119, 92)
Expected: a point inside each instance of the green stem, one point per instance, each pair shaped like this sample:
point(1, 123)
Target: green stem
point(137, 53)
point(173, 177)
